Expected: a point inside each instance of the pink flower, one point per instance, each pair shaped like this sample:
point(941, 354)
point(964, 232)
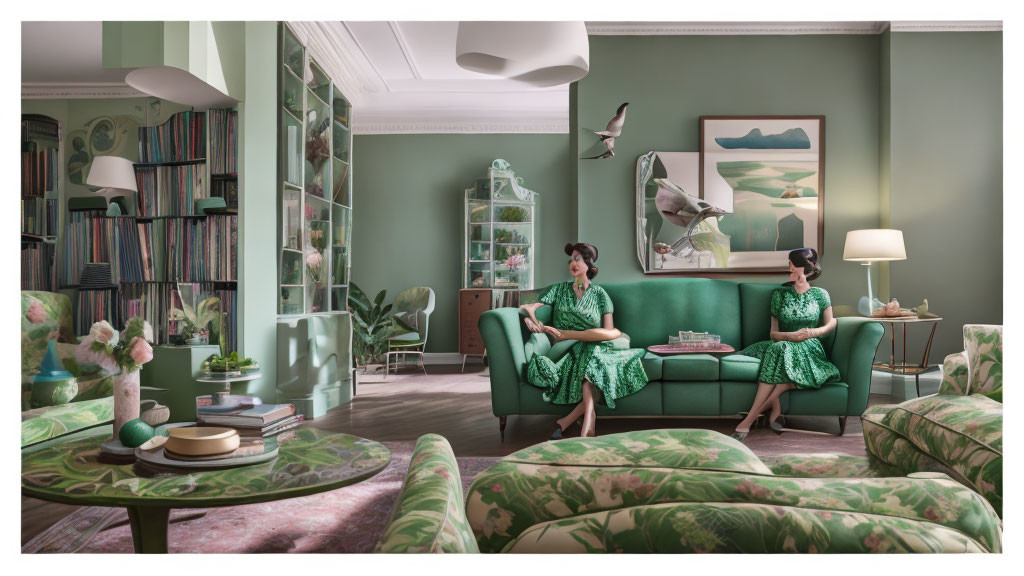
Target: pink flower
point(36, 314)
point(314, 259)
point(309, 212)
point(103, 332)
point(141, 351)
point(85, 355)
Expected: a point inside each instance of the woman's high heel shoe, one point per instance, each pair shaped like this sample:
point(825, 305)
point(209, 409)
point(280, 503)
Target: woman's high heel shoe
point(778, 424)
point(739, 435)
point(558, 434)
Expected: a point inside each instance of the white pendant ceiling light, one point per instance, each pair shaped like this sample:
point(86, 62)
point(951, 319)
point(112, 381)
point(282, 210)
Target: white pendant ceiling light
point(538, 53)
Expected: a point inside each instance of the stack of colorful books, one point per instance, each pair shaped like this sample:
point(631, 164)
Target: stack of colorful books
point(247, 415)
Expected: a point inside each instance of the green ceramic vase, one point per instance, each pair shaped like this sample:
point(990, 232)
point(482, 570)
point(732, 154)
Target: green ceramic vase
point(53, 385)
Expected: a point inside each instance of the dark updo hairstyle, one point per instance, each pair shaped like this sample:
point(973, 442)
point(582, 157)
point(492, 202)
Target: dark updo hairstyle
point(806, 258)
point(589, 254)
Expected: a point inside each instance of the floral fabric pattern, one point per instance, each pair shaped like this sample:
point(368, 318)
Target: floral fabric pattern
point(984, 346)
point(801, 363)
point(429, 515)
point(614, 372)
point(740, 528)
point(43, 424)
point(954, 375)
point(825, 465)
point(543, 484)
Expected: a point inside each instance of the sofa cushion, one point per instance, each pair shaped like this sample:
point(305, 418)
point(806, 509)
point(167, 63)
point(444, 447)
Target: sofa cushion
point(984, 346)
point(42, 424)
point(574, 477)
point(690, 367)
point(651, 310)
point(429, 515)
point(653, 366)
point(691, 398)
point(694, 527)
point(739, 368)
point(964, 433)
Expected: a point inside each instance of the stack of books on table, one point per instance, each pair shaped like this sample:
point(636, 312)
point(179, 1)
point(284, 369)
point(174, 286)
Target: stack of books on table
point(251, 419)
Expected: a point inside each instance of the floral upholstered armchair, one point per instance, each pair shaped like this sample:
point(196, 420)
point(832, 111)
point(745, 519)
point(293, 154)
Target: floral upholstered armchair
point(46, 316)
point(959, 430)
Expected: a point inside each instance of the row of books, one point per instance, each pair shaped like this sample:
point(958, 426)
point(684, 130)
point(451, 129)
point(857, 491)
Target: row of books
point(38, 170)
point(86, 239)
point(169, 250)
point(37, 266)
point(226, 189)
point(154, 301)
point(223, 141)
point(93, 306)
point(39, 216)
point(169, 190)
point(181, 138)
point(247, 415)
point(185, 250)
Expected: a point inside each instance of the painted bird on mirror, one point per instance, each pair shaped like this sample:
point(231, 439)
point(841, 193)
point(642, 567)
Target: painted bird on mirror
point(683, 210)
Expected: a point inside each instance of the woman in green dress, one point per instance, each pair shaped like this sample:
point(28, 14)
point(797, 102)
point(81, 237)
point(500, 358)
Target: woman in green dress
point(794, 357)
point(593, 370)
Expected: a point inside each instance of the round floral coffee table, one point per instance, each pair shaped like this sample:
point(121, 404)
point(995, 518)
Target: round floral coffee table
point(309, 461)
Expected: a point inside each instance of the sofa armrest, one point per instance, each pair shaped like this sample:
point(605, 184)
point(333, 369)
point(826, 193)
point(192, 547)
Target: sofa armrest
point(506, 356)
point(430, 515)
point(853, 352)
point(954, 375)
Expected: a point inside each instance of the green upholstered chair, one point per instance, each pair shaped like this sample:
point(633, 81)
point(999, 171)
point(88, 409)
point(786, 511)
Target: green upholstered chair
point(412, 307)
point(959, 430)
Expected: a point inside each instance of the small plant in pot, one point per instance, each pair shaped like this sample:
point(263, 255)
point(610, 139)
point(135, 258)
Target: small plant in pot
point(372, 324)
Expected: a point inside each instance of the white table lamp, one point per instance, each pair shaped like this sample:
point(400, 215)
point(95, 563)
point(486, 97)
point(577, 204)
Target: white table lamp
point(114, 175)
point(873, 245)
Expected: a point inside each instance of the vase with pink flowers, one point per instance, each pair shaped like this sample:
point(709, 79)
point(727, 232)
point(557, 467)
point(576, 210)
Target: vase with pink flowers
point(515, 265)
point(121, 354)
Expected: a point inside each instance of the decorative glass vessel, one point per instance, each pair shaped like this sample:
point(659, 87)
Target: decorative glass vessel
point(500, 214)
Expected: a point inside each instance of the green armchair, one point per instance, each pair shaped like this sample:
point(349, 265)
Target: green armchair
point(46, 316)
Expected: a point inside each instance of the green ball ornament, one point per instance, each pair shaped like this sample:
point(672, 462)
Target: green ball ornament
point(135, 433)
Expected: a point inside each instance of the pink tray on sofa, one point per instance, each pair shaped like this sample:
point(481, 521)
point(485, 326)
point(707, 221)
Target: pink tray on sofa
point(668, 349)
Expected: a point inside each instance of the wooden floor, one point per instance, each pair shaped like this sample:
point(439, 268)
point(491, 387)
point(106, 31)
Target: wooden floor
point(458, 407)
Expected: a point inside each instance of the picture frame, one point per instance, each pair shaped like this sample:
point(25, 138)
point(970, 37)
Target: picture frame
point(768, 174)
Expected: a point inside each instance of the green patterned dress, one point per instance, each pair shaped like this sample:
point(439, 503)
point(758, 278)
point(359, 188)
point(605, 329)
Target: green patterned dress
point(801, 363)
point(615, 373)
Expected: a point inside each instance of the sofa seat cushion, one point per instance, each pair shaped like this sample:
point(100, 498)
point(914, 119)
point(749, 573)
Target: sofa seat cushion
point(653, 366)
point(429, 515)
point(739, 368)
point(569, 478)
point(690, 367)
point(964, 433)
point(695, 527)
point(42, 424)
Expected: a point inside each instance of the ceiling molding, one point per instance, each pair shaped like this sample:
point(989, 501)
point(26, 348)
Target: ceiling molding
point(479, 124)
point(334, 48)
point(947, 26)
point(730, 28)
point(30, 91)
point(406, 52)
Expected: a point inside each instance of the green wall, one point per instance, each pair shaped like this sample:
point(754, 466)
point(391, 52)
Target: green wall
point(670, 81)
point(409, 211)
point(947, 179)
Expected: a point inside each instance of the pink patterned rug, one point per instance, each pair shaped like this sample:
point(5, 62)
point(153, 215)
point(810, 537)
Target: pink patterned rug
point(349, 519)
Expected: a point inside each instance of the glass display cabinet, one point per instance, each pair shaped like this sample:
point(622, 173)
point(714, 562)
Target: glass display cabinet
point(500, 214)
point(315, 188)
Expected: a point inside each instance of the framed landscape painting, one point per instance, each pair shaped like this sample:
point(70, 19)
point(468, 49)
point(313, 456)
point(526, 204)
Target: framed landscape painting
point(764, 176)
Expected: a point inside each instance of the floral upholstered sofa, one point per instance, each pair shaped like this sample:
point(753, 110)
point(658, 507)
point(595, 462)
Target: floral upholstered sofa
point(959, 430)
point(668, 491)
point(46, 316)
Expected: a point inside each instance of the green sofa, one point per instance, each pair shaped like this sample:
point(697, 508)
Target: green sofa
point(46, 316)
point(669, 491)
point(691, 384)
point(959, 430)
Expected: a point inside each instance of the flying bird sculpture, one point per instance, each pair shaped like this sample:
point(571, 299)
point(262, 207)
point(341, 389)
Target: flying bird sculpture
point(683, 210)
point(612, 131)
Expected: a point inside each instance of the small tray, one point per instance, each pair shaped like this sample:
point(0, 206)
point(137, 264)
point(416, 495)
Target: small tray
point(671, 349)
point(154, 454)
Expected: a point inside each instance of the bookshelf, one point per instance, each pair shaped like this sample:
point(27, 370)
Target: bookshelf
point(315, 237)
point(164, 241)
point(41, 159)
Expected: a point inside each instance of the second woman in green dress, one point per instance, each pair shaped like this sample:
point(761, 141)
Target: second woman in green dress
point(593, 370)
point(794, 357)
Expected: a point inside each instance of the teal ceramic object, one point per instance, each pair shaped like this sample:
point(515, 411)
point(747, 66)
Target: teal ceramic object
point(53, 385)
point(134, 433)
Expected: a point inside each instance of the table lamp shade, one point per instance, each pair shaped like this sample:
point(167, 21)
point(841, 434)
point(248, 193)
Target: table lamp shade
point(874, 245)
point(112, 172)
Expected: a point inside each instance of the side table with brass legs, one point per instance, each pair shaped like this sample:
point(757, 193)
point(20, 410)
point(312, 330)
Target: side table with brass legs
point(903, 368)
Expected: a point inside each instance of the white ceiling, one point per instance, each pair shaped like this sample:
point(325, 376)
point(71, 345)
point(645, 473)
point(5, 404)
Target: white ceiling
point(401, 76)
